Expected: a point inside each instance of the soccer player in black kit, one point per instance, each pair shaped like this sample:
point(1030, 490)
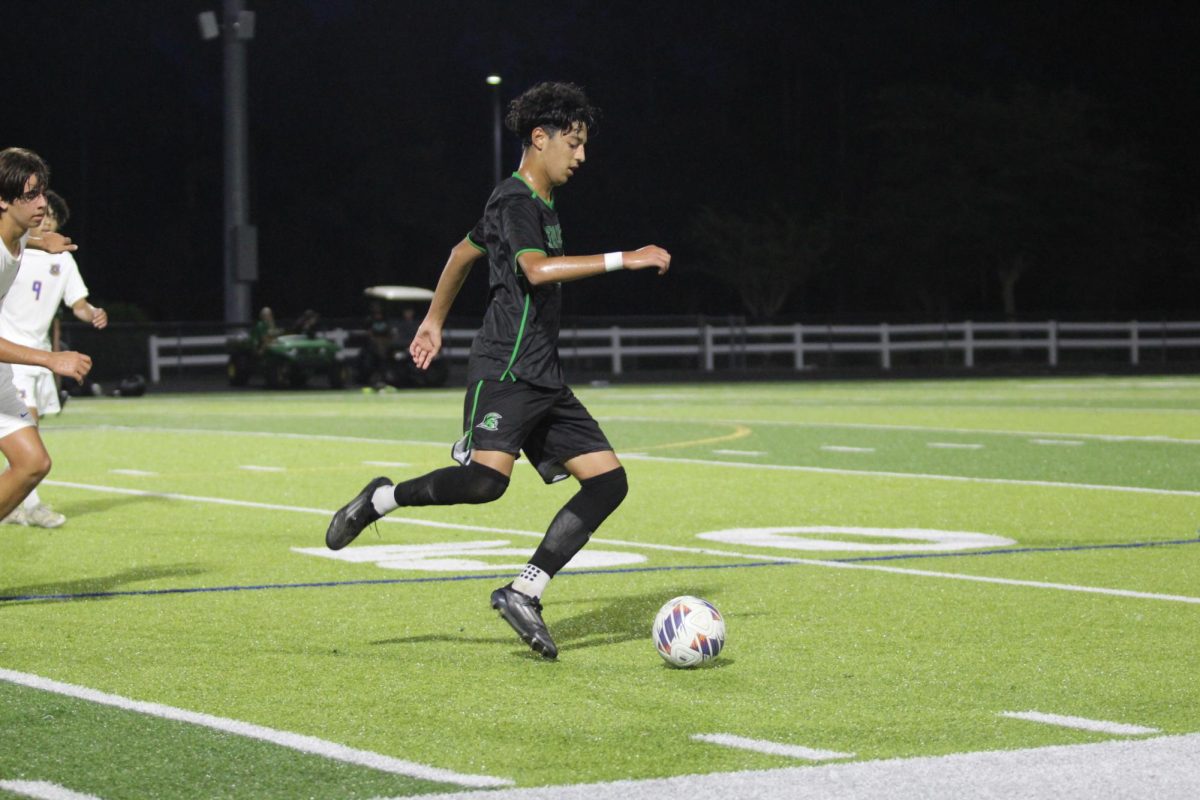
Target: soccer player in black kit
point(516, 397)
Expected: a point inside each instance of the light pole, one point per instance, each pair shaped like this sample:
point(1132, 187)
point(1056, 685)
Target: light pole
point(240, 238)
point(493, 80)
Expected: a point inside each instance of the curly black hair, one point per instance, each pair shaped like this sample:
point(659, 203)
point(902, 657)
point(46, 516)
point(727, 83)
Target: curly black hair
point(58, 207)
point(17, 165)
point(553, 106)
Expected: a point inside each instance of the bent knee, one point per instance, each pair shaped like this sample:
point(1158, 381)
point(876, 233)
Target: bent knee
point(484, 484)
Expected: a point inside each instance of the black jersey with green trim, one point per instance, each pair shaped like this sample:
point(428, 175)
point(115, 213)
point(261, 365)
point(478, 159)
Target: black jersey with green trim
point(519, 335)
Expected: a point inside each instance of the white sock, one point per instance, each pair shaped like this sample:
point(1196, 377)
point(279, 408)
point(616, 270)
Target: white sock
point(31, 501)
point(532, 581)
point(384, 499)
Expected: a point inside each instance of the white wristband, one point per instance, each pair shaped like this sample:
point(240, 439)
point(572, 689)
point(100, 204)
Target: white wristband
point(613, 261)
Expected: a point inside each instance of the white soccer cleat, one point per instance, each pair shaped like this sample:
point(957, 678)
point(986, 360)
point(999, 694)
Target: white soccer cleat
point(43, 516)
point(17, 517)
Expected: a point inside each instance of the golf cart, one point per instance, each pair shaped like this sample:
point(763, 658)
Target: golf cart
point(383, 359)
point(285, 359)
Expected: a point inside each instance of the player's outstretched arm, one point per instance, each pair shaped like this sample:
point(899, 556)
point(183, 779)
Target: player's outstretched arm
point(540, 268)
point(51, 242)
point(428, 341)
point(64, 362)
point(86, 312)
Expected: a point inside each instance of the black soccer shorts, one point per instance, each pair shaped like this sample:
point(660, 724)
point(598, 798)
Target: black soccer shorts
point(550, 425)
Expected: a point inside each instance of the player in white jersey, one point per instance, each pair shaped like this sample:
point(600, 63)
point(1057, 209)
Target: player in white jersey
point(29, 311)
point(23, 183)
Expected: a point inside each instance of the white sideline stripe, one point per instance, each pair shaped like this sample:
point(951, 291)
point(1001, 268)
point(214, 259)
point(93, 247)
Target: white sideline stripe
point(139, 473)
point(1082, 723)
point(295, 741)
point(44, 791)
point(1101, 437)
point(839, 448)
point(387, 464)
point(868, 426)
point(316, 437)
point(257, 468)
point(740, 452)
point(954, 446)
point(644, 545)
point(1059, 442)
point(791, 467)
point(770, 748)
point(919, 476)
point(1164, 768)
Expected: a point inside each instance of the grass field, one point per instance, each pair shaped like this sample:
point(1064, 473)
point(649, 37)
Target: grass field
point(903, 566)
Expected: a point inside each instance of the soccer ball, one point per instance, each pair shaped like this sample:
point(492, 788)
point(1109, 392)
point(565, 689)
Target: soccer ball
point(688, 631)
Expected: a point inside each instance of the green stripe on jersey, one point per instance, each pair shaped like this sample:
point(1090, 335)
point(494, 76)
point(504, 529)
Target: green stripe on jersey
point(517, 345)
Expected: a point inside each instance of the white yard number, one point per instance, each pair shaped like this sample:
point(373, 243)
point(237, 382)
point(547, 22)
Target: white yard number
point(463, 556)
point(913, 540)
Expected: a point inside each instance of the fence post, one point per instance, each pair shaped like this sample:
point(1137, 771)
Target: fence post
point(155, 373)
point(968, 344)
point(1052, 341)
point(798, 339)
point(1134, 356)
point(614, 340)
point(885, 340)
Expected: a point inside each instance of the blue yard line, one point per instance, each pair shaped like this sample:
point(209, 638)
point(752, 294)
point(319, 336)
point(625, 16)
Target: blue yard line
point(614, 571)
point(365, 582)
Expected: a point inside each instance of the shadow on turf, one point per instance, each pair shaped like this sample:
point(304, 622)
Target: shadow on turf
point(621, 619)
point(46, 592)
point(88, 507)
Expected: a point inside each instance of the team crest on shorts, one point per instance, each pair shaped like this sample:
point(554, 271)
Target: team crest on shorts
point(491, 421)
point(55, 268)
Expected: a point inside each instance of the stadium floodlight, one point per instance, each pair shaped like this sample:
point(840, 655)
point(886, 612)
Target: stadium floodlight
point(209, 29)
point(493, 80)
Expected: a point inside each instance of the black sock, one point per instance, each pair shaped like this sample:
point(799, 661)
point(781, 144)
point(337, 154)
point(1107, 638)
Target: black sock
point(579, 518)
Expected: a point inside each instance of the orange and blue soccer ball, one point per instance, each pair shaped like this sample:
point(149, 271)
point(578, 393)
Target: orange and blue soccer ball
point(688, 631)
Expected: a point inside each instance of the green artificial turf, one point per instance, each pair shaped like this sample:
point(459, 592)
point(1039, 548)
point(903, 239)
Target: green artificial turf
point(185, 585)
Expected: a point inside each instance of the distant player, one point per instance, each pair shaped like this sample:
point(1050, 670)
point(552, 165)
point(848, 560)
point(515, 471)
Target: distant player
point(516, 397)
point(23, 184)
point(30, 309)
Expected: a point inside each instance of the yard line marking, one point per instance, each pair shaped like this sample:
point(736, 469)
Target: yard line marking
point(924, 476)
point(954, 446)
point(645, 545)
point(1082, 723)
point(315, 437)
point(739, 432)
point(387, 464)
point(770, 748)
point(43, 790)
point(294, 741)
point(257, 468)
point(869, 426)
point(740, 452)
point(138, 473)
point(838, 448)
point(1065, 587)
point(1103, 437)
point(1059, 442)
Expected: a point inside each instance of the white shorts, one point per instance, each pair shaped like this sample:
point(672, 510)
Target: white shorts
point(35, 386)
point(14, 414)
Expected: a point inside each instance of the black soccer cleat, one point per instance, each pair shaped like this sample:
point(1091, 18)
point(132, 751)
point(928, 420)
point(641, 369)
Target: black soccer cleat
point(524, 614)
point(351, 518)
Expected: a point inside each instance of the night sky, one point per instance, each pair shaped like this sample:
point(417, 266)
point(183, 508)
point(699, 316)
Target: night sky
point(801, 160)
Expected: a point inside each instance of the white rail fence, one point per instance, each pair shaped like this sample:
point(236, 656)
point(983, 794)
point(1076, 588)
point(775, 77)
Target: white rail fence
point(800, 346)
